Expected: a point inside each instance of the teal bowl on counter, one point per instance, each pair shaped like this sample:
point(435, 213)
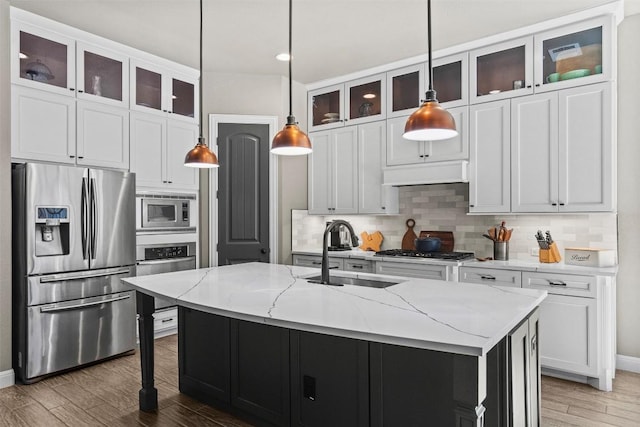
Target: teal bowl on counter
point(574, 74)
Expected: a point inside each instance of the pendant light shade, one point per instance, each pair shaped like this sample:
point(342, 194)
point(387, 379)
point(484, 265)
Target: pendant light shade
point(291, 141)
point(201, 156)
point(430, 122)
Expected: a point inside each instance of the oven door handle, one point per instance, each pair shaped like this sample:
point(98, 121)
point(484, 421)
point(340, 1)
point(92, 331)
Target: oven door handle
point(166, 261)
point(57, 307)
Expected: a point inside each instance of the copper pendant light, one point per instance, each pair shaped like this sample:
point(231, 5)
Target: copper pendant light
point(201, 156)
point(430, 122)
point(291, 141)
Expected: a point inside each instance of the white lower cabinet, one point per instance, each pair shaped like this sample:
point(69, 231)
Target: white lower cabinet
point(410, 269)
point(158, 147)
point(577, 320)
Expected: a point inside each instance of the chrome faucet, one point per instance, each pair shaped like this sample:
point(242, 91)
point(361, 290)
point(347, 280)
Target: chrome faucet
point(324, 278)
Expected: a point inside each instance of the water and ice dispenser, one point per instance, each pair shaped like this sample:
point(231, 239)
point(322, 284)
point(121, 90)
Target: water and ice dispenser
point(52, 230)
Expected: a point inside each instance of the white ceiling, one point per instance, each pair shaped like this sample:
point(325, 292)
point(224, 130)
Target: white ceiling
point(330, 37)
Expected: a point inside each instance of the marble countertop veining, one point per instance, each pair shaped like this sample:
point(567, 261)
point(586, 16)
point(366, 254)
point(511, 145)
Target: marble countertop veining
point(432, 314)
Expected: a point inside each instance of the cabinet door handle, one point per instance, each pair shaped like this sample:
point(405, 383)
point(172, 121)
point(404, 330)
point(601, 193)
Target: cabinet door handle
point(558, 283)
point(537, 85)
point(487, 277)
point(384, 207)
point(80, 91)
point(72, 157)
point(71, 89)
point(534, 344)
point(529, 86)
point(170, 182)
point(561, 204)
point(81, 157)
point(554, 204)
point(472, 206)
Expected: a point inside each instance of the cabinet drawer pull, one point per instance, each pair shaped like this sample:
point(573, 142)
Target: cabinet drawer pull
point(167, 320)
point(487, 277)
point(558, 283)
point(316, 262)
point(358, 266)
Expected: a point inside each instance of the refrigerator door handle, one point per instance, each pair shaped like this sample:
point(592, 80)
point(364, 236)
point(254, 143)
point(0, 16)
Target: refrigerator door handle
point(83, 275)
point(84, 212)
point(94, 217)
point(66, 306)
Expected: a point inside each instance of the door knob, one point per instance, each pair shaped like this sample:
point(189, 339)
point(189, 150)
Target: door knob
point(263, 251)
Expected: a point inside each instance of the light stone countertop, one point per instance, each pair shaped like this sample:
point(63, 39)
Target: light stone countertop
point(431, 314)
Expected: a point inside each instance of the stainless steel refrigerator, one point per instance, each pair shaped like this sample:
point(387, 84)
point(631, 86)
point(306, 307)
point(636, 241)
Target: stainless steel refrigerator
point(73, 240)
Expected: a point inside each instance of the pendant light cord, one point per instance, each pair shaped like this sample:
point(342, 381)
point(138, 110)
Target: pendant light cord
point(201, 139)
point(429, 35)
point(290, 58)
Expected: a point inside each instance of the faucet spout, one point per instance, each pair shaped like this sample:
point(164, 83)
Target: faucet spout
point(325, 251)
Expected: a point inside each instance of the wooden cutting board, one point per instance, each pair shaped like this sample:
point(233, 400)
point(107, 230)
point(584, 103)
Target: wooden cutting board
point(446, 239)
point(408, 240)
point(371, 242)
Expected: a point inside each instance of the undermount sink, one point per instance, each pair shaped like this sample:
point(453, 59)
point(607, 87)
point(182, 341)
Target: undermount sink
point(356, 281)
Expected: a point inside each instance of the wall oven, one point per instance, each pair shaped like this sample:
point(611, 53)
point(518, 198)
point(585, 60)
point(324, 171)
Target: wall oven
point(166, 213)
point(156, 258)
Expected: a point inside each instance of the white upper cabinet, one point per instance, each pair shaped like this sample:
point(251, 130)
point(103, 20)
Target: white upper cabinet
point(572, 55)
point(405, 89)
point(333, 172)
point(373, 197)
point(351, 103)
point(159, 90)
point(500, 71)
point(402, 151)
point(562, 151)
point(102, 136)
point(489, 157)
point(450, 80)
point(158, 147)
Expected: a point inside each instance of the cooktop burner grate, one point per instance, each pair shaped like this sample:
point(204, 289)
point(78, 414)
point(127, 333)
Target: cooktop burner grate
point(455, 256)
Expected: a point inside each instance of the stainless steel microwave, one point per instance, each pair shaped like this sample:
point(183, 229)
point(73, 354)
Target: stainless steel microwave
point(166, 213)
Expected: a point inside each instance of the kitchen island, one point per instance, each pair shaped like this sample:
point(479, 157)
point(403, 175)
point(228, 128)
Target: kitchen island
point(262, 342)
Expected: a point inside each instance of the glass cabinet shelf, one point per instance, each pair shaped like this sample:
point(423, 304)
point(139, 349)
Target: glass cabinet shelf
point(326, 107)
point(102, 76)
point(148, 89)
point(183, 98)
point(364, 100)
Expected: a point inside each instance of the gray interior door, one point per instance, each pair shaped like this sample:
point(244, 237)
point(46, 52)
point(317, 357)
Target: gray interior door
point(243, 193)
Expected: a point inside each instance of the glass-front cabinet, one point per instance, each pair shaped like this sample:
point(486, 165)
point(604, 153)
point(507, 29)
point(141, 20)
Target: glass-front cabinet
point(573, 55)
point(450, 80)
point(158, 90)
point(102, 75)
point(355, 102)
point(43, 60)
point(501, 71)
point(405, 89)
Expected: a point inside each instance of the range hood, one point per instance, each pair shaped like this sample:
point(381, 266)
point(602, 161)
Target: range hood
point(426, 173)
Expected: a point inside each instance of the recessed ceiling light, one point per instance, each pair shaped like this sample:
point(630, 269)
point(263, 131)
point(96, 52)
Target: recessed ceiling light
point(23, 56)
point(369, 95)
point(282, 57)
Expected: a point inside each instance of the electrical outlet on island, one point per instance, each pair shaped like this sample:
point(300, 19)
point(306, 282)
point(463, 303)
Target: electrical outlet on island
point(534, 251)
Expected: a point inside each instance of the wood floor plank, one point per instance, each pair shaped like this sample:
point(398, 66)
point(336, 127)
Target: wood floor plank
point(115, 417)
point(74, 416)
point(554, 405)
point(36, 415)
point(13, 397)
point(80, 396)
point(43, 394)
point(562, 419)
point(599, 416)
point(623, 413)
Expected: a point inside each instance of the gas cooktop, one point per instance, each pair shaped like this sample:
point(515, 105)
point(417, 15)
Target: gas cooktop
point(450, 256)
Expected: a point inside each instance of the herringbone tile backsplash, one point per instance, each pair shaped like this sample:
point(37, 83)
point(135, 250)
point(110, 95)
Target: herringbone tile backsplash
point(444, 207)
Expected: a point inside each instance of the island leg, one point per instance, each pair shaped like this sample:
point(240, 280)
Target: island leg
point(469, 390)
point(148, 395)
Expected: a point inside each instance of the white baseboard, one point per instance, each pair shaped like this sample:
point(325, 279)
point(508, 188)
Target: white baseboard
point(628, 363)
point(7, 378)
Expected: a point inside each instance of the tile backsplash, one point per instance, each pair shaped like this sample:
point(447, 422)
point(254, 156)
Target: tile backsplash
point(444, 207)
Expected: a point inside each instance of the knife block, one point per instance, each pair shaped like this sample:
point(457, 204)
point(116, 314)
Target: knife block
point(550, 255)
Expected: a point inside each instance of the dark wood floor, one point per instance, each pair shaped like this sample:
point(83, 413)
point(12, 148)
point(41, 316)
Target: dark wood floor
point(107, 394)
